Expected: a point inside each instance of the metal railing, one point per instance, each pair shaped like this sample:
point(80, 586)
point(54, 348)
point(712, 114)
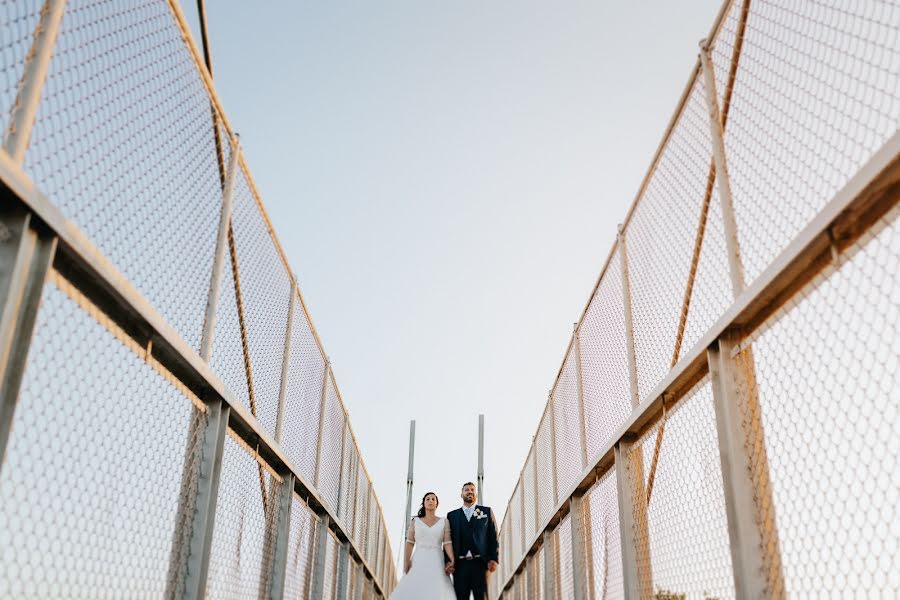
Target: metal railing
point(170, 424)
point(724, 422)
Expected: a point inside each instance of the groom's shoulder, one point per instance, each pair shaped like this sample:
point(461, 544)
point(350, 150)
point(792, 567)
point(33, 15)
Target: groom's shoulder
point(454, 511)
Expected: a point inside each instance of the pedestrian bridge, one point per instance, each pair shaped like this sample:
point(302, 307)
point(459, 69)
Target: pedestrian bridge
point(724, 422)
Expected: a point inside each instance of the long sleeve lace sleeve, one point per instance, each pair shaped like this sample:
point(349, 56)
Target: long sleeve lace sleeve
point(446, 533)
point(411, 532)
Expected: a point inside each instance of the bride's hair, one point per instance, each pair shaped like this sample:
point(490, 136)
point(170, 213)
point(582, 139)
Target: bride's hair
point(422, 507)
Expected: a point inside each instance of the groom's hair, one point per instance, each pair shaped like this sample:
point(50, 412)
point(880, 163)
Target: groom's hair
point(467, 483)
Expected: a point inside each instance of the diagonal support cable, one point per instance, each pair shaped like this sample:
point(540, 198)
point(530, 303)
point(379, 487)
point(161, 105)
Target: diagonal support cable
point(701, 232)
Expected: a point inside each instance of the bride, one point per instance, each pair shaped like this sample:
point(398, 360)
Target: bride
point(425, 576)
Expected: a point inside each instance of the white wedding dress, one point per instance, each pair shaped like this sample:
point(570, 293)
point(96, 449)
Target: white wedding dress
point(426, 579)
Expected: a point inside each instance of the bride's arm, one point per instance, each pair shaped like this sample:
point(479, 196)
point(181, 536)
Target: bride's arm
point(448, 545)
point(410, 544)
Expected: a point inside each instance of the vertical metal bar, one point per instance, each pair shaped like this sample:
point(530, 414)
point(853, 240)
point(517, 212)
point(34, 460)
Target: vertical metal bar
point(551, 407)
point(409, 487)
point(749, 507)
point(735, 264)
point(633, 523)
point(481, 459)
point(551, 572)
point(215, 279)
point(191, 581)
point(25, 259)
point(339, 509)
point(322, 406)
point(522, 520)
point(530, 580)
point(285, 364)
point(537, 503)
point(319, 561)
point(28, 95)
point(358, 585)
point(579, 385)
point(280, 531)
point(629, 319)
point(343, 577)
point(581, 533)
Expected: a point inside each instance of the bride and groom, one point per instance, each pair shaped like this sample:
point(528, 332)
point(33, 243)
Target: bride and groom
point(463, 544)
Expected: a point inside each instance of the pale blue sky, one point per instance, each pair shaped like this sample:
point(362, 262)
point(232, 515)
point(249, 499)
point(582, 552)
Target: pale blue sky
point(446, 179)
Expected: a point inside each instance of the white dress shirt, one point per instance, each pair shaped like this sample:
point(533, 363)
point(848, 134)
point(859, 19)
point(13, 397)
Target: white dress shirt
point(468, 510)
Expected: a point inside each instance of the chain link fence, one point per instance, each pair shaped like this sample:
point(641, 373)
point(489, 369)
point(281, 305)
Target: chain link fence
point(170, 423)
point(724, 421)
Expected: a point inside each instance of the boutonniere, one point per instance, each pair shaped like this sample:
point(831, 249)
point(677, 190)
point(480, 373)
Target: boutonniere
point(478, 514)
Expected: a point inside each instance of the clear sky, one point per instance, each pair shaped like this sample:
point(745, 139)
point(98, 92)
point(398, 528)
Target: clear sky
point(446, 178)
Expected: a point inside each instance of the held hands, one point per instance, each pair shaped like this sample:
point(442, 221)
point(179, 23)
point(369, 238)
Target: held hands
point(492, 565)
point(450, 568)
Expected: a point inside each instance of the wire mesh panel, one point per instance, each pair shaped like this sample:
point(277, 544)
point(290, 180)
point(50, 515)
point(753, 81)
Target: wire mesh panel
point(227, 355)
point(605, 560)
point(304, 397)
point(689, 549)
point(332, 446)
point(348, 483)
point(817, 93)
point(266, 289)
point(546, 486)
point(660, 240)
point(243, 536)
point(91, 479)
point(828, 377)
point(567, 421)
point(331, 550)
point(513, 521)
point(124, 145)
point(18, 20)
point(529, 518)
point(360, 528)
point(300, 550)
point(604, 366)
point(534, 572)
point(565, 573)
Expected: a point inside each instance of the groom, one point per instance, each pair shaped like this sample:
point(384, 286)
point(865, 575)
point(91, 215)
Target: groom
point(476, 549)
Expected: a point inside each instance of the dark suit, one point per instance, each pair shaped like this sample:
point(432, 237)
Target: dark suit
point(477, 535)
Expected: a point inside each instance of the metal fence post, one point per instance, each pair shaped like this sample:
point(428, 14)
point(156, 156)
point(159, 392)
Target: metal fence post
point(322, 406)
point(735, 264)
point(629, 319)
point(343, 577)
point(749, 508)
point(550, 567)
point(537, 490)
point(285, 364)
point(192, 541)
point(339, 508)
point(279, 533)
point(28, 96)
point(215, 278)
point(26, 256)
point(522, 503)
point(581, 559)
point(633, 526)
point(579, 386)
point(633, 523)
point(551, 406)
point(321, 548)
